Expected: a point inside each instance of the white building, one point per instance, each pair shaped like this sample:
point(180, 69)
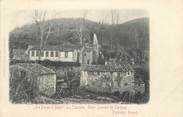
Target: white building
point(87, 53)
point(54, 53)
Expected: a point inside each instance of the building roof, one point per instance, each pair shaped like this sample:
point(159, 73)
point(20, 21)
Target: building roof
point(57, 48)
point(18, 52)
point(107, 68)
point(35, 68)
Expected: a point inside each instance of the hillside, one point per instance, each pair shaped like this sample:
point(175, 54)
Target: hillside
point(65, 31)
point(131, 37)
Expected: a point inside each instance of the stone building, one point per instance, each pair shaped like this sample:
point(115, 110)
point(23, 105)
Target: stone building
point(33, 77)
point(108, 78)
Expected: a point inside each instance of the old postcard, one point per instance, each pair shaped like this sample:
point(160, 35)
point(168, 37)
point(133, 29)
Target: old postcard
point(91, 58)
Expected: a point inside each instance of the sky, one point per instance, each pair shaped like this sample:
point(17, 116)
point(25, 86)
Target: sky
point(22, 17)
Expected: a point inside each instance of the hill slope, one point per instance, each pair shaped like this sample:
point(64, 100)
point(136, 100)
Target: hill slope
point(131, 37)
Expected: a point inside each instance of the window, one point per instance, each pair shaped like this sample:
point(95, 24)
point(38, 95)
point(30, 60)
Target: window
point(37, 53)
point(22, 74)
point(47, 53)
point(42, 53)
point(52, 54)
point(32, 53)
point(126, 84)
point(118, 74)
point(66, 54)
point(70, 54)
point(56, 54)
point(128, 73)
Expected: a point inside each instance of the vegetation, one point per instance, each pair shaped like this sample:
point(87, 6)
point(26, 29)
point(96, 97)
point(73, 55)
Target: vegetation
point(127, 42)
point(131, 39)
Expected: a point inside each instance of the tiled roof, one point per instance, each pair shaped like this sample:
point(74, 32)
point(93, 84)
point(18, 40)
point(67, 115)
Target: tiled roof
point(36, 68)
point(106, 68)
point(60, 48)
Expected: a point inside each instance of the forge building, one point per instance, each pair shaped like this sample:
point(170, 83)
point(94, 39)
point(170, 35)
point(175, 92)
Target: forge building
point(32, 78)
point(109, 78)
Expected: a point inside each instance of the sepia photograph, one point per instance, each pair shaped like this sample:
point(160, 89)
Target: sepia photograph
point(79, 57)
point(86, 58)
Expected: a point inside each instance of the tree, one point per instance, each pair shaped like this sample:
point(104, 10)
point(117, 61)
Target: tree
point(44, 30)
point(114, 21)
point(101, 30)
point(84, 15)
point(114, 17)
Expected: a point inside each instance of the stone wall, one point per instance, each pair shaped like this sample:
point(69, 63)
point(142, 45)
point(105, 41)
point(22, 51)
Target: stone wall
point(139, 87)
point(123, 83)
point(107, 81)
point(47, 84)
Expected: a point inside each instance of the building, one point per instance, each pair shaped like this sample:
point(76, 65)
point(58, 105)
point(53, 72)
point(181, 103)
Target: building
point(107, 78)
point(54, 53)
point(33, 77)
point(19, 54)
point(87, 53)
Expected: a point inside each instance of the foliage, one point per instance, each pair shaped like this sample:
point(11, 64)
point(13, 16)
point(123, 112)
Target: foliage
point(22, 90)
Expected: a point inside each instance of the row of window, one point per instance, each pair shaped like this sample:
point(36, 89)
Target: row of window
point(119, 74)
point(48, 53)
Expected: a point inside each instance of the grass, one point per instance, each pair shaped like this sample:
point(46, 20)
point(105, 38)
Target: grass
point(70, 100)
point(45, 100)
point(82, 101)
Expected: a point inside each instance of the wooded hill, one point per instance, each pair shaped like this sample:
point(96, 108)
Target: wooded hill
point(130, 38)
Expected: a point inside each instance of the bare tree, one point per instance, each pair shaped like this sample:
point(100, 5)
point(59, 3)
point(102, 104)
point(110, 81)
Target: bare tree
point(117, 17)
point(43, 29)
point(84, 15)
point(114, 16)
point(101, 30)
point(114, 20)
point(112, 23)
